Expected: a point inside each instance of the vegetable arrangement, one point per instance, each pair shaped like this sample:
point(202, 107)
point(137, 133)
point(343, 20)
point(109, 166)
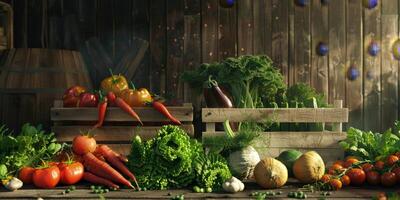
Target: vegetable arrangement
point(114, 91)
point(173, 160)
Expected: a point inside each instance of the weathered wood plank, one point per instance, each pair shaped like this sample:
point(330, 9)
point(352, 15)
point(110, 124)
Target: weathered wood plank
point(157, 46)
point(245, 27)
point(317, 140)
point(262, 17)
point(35, 28)
point(337, 51)
point(320, 33)
point(122, 27)
point(389, 73)
point(87, 18)
point(302, 42)
point(372, 69)
point(104, 25)
point(354, 94)
point(227, 32)
point(292, 41)
point(278, 115)
point(175, 46)
point(116, 114)
point(112, 133)
point(84, 192)
point(280, 36)
point(209, 31)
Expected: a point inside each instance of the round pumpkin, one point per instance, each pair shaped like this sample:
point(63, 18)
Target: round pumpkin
point(270, 173)
point(309, 168)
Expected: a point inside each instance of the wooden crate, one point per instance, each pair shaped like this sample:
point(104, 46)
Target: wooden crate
point(270, 144)
point(119, 127)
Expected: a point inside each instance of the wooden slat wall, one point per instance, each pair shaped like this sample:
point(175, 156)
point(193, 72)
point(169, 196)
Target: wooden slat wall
point(184, 33)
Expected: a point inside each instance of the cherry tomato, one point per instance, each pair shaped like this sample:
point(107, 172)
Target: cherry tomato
point(71, 173)
point(25, 175)
point(397, 172)
point(46, 177)
point(336, 184)
point(388, 179)
point(345, 180)
point(349, 162)
point(325, 178)
point(391, 160)
point(397, 154)
point(336, 168)
point(357, 176)
point(379, 165)
point(367, 167)
point(373, 178)
point(339, 162)
point(83, 144)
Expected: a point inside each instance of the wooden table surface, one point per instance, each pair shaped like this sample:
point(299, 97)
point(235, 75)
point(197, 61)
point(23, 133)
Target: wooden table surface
point(84, 192)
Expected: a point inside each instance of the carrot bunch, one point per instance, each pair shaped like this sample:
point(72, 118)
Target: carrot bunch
point(104, 166)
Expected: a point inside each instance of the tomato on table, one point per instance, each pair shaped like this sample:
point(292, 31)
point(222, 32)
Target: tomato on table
point(379, 165)
point(357, 176)
point(367, 167)
point(336, 184)
point(345, 180)
point(388, 179)
point(71, 172)
point(373, 178)
point(349, 162)
point(25, 175)
point(71, 96)
point(46, 178)
point(391, 160)
point(83, 144)
point(397, 172)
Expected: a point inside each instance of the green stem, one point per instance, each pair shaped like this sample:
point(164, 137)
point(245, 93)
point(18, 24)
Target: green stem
point(132, 85)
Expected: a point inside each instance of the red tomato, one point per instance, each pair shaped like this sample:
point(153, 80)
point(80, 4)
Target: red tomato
point(345, 180)
point(83, 144)
point(397, 172)
point(88, 100)
point(379, 165)
point(47, 177)
point(336, 184)
point(367, 167)
point(335, 169)
point(391, 160)
point(325, 178)
point(357, 176)
point(388, 179)
point(339, 162)
point(25, 175)
point(349, 162)
point(71, 96)
point(373, 178)
point(71, 173)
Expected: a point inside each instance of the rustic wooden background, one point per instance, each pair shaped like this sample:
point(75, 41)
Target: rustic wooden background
point(185, 33)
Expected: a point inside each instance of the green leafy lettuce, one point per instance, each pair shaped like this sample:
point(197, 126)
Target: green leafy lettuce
point(167, 160)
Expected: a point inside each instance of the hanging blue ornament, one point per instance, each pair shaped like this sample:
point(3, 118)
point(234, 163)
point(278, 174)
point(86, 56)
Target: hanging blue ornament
point(353, 73)
point(322, 49)
point(302, 2)
point(324, 2)
point(373, 49)
point(396, 49)
point(227, 3)
point(370, 3)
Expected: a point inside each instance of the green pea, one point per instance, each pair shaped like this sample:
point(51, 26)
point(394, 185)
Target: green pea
point(144, 189)
point(92, 187)
point(63, 193)
point(72, 187)
point(106, 190)
point(209, 190)
point(279, 193)
point(196, 189)
point(201, 190)
point(67, 191)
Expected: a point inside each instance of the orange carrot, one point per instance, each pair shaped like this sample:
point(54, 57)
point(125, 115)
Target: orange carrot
point(112, 157)
point(102, 169)
point(89, 177)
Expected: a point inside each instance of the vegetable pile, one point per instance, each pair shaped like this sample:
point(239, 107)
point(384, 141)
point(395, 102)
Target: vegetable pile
point(26, 149)
point(173, 160)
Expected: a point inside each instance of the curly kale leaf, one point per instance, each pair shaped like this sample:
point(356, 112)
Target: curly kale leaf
point(211, 171)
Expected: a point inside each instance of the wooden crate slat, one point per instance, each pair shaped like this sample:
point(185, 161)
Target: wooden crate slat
point(328, 140)
point(113, 133)
point(147, 114)
point(278, 115)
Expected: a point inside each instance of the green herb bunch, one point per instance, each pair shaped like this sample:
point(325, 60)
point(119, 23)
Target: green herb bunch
point(28, 148)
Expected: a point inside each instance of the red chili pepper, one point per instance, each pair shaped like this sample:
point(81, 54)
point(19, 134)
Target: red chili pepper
point(102, 107)
point(125, 107)
point(163, 110)
point(111, 98)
